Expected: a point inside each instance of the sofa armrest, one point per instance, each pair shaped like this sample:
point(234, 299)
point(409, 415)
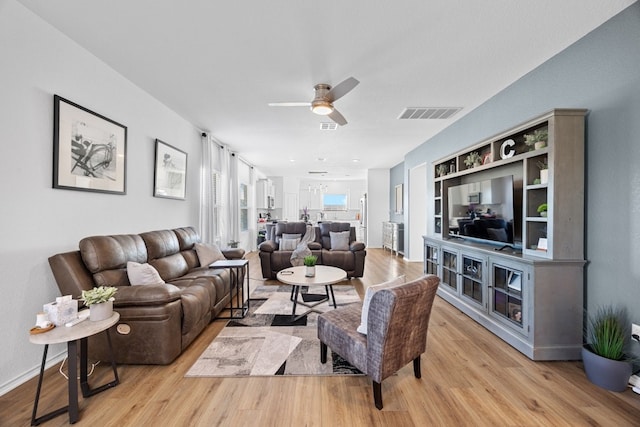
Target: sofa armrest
point(356, 246)
point(233, 253)
point(314, 246)
point(146, 295)
point(268, 246)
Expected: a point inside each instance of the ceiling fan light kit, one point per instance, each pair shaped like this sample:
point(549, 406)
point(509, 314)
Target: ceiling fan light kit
point(322, 103)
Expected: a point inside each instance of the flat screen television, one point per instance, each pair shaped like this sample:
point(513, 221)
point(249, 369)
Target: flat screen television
point(483, 211)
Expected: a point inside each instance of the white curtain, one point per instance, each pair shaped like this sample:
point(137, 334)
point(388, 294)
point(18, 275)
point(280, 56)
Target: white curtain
point(217, 179)
point(208, 228)
point(232, 202)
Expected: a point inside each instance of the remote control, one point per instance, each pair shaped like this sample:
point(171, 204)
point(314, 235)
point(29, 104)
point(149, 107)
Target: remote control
point(82, 316)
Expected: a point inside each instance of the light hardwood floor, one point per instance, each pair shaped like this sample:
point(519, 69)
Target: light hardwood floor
point(469, 378)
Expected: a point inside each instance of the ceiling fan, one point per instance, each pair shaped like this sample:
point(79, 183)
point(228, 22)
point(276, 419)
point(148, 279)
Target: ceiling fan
point(325, 95)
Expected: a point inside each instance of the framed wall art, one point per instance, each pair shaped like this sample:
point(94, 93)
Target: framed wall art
point(170, 177)
point(89, 150)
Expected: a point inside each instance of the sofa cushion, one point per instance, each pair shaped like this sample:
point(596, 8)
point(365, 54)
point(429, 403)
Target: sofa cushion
point(288, 244)
point(364, 316)
point(106, 257)
point(142, 274)
point(208, 253)
point(327, 227)
point(291, 236)
point(339, 240)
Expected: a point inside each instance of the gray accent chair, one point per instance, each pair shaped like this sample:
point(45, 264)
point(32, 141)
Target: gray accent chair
point(396, 331)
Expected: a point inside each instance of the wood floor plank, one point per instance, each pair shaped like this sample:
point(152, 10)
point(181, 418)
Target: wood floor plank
point(469, 378)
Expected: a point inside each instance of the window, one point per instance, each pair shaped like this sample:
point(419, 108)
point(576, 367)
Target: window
point(334, 202)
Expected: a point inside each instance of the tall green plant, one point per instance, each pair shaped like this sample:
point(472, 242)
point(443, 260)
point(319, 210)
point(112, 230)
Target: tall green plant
point(608, 332)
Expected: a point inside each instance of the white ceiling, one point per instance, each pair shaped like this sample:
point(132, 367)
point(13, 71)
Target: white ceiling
point(218, 64)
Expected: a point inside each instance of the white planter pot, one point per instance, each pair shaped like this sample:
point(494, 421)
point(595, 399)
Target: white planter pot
point(544, 176)
point(100, 311)
point(310, 271)
point(539, 144)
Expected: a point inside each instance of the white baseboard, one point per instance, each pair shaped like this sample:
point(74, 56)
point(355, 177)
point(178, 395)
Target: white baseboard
point(31, 373)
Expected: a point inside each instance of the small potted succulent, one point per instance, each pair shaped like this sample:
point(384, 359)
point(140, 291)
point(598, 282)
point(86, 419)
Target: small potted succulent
point(310, 264)
point(537, 139)
point(473, 159)
point(100, 302)
point(542, 209)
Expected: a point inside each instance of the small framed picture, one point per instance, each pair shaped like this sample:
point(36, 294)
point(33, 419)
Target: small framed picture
point(486, 159)
point(170, 173)
point(542, 244)
point(89, 150)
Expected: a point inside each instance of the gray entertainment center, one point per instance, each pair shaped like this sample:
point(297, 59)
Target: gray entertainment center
point(507, 240)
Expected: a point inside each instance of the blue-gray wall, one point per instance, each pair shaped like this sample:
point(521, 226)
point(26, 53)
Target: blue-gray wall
point(600, 72)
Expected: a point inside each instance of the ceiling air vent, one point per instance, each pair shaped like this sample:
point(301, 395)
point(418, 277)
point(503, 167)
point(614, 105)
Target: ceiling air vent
point(317, 172)
point(328, 126)
point(428, 112)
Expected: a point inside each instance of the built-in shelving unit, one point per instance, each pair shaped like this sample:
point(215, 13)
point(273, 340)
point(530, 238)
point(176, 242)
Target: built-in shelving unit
point(531, 294)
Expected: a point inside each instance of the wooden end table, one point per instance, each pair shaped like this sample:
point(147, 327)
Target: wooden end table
point(72, 336)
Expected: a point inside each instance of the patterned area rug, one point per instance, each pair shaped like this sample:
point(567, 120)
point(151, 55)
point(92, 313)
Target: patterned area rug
point(267, 343)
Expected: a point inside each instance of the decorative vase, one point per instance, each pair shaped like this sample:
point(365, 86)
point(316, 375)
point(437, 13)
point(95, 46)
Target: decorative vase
point(310, 271)
point(543, 214)
point(544, 176)
point(539, 144)
point(100, 311)
point(606, 373)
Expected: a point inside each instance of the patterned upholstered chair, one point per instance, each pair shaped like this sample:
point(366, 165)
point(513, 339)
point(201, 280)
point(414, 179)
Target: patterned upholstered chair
point(398, 318)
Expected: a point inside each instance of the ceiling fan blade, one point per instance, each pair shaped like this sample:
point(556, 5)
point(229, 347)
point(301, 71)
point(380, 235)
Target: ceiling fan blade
point(337, 117)
point(342, 88)
point(289, 104)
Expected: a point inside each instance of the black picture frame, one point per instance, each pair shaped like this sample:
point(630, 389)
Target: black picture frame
point(89, 150)
point(170, 172)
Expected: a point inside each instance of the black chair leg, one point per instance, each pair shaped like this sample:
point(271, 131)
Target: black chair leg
point(323, 352)
point(377, 394)
point(416, 367)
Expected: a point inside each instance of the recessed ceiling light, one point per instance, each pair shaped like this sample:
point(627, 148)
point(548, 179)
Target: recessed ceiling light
point(292, 160)
point(356, 160)
point(321, 159)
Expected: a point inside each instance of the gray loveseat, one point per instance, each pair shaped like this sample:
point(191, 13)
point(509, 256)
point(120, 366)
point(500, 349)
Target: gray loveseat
point(350, 259)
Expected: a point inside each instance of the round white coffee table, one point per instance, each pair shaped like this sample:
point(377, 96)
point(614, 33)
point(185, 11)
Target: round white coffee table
point(325, 276)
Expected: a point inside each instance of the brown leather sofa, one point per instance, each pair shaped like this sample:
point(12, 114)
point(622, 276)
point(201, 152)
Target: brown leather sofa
point(157, 321)
point(272, 260)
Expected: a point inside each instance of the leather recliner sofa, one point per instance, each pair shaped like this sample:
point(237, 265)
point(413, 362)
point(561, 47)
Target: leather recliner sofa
point(351, 260)
point(157, 321)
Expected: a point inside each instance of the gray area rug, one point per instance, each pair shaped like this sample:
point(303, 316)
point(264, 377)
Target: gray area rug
point(267, 343)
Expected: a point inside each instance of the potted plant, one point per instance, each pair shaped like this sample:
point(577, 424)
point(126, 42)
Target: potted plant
point(542, 209)
point(608, 332)
point(310, 264)
point(473, 159)
point(543, 165)
point(442, 170)
point(100, 302)
point(537, 139)
point(233, 243)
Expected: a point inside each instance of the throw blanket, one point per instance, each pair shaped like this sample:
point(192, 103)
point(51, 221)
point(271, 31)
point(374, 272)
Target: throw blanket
point(302, 250)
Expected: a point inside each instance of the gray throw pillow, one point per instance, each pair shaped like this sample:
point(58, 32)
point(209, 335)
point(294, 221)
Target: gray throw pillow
point(291, 236)
point(288, 244)
point(339, 240)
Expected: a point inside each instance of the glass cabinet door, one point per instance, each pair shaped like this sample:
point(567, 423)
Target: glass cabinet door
point(450, 269)
point(472, 278)
point(430, 259)
point(507, 295)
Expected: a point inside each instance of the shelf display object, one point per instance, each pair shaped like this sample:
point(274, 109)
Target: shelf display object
point(506, 236)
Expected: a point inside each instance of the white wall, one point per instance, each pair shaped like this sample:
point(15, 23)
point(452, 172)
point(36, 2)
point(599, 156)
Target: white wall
point(378, 209)
point(37, 221)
